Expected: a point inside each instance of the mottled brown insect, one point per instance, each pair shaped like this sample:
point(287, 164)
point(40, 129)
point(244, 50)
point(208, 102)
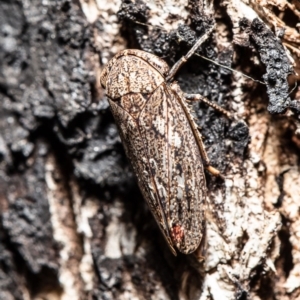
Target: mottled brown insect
point(162, 142)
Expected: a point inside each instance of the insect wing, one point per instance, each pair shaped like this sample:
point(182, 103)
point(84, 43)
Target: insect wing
point(175, 166)
point(135, 149)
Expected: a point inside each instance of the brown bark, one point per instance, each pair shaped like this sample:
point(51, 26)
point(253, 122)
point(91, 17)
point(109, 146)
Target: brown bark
point(73, 223)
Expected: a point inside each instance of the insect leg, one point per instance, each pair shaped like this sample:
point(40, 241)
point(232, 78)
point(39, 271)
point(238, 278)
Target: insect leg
point(184, 58)
point(206, 161)
point(198, 97)
point(175, 87)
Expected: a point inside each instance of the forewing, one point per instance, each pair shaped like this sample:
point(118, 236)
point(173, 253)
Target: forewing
point(175, 167)
point(135, 148)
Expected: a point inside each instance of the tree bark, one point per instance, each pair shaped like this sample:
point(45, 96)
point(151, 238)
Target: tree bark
point(73, 223)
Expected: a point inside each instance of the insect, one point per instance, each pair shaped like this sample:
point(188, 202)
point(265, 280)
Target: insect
point(162, 141)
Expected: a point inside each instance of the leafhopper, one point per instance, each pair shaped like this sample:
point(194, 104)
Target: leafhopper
point(162, 141)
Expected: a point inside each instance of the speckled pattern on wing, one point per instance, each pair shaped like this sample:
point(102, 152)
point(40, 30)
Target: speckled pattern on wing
point(162, 147)
point(135, 149)
point(176, 166)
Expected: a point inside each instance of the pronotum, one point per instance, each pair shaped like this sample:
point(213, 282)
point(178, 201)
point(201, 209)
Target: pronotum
point(162, 141)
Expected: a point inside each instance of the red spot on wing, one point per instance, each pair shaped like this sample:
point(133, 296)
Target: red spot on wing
point(177, 234)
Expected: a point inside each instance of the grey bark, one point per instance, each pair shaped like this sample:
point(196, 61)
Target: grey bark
point(73, 224)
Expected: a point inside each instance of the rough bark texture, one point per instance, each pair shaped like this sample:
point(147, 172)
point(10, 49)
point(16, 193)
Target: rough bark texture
point(73, 224)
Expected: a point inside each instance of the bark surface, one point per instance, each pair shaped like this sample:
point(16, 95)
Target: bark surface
point(73, 223)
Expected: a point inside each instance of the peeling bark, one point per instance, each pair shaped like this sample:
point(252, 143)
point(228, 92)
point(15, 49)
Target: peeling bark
point(73, 224)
